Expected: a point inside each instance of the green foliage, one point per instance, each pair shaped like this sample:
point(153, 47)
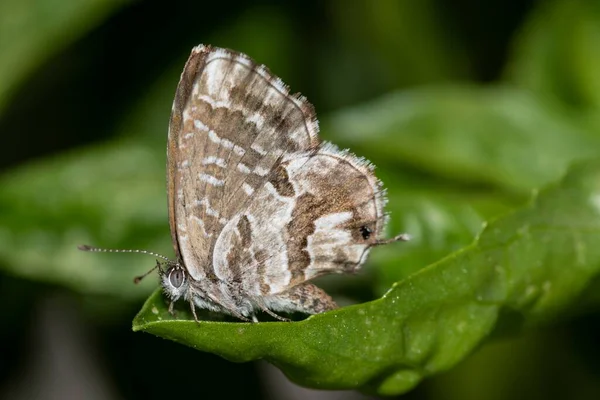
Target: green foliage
point(49, 208)
point(498, 136)
point(431, 320)
point(460, 161)
point(29, 35)
point(558, 54)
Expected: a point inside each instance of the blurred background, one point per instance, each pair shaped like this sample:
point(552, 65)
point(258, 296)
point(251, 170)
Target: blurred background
point(464, 106)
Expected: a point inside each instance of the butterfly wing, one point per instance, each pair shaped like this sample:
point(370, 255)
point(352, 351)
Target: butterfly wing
point(225, 136)
point(319, 212)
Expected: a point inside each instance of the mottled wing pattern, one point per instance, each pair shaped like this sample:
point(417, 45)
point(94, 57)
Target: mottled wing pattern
point(319, 212)
point(232, 123)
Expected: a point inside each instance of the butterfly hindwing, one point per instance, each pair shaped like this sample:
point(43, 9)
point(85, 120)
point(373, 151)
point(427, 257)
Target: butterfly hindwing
point(318, 213)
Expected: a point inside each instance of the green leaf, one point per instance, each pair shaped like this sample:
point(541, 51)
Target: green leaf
point(556, 54)
point(525, 268)
point(30, 32)
point(440, 221)
point(390, 24)
point(366, 31)
point(496, 136)
point(110, 196)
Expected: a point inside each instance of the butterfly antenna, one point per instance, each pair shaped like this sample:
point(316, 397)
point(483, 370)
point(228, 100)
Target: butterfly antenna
point(137, 279)
point(85, 247)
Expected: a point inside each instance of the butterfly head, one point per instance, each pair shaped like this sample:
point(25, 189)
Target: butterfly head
point(175, 281)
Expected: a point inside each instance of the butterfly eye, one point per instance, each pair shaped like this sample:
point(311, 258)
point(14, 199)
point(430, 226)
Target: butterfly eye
point(176, 277)
point(365, 231)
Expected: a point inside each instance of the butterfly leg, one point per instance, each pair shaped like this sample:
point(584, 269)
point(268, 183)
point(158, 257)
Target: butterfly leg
point(240, 316)
point(193, 308)
point(306, 298)
point(171, 310)
point(264, 308)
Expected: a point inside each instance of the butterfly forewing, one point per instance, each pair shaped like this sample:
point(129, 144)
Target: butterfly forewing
point(232, 122)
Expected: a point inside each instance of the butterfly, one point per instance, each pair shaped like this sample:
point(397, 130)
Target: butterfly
point(258, 204)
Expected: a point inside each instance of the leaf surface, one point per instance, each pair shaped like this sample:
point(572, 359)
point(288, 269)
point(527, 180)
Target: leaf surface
point(525, 268)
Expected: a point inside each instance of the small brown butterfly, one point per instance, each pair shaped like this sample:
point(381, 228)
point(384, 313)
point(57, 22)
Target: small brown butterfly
point(258, 204)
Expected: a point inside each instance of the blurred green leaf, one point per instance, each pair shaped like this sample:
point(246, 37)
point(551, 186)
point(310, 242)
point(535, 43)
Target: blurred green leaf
point(440, 221)
point(496, 136)
point(30, 32)
point(557, 53)
point(534, 262)
point(519, 368)
point(110, 196)
point(377, 42)
point(265, 33)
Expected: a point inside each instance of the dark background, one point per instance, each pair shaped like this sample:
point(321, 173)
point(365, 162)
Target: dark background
point(118, 60)
point(77, 85)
